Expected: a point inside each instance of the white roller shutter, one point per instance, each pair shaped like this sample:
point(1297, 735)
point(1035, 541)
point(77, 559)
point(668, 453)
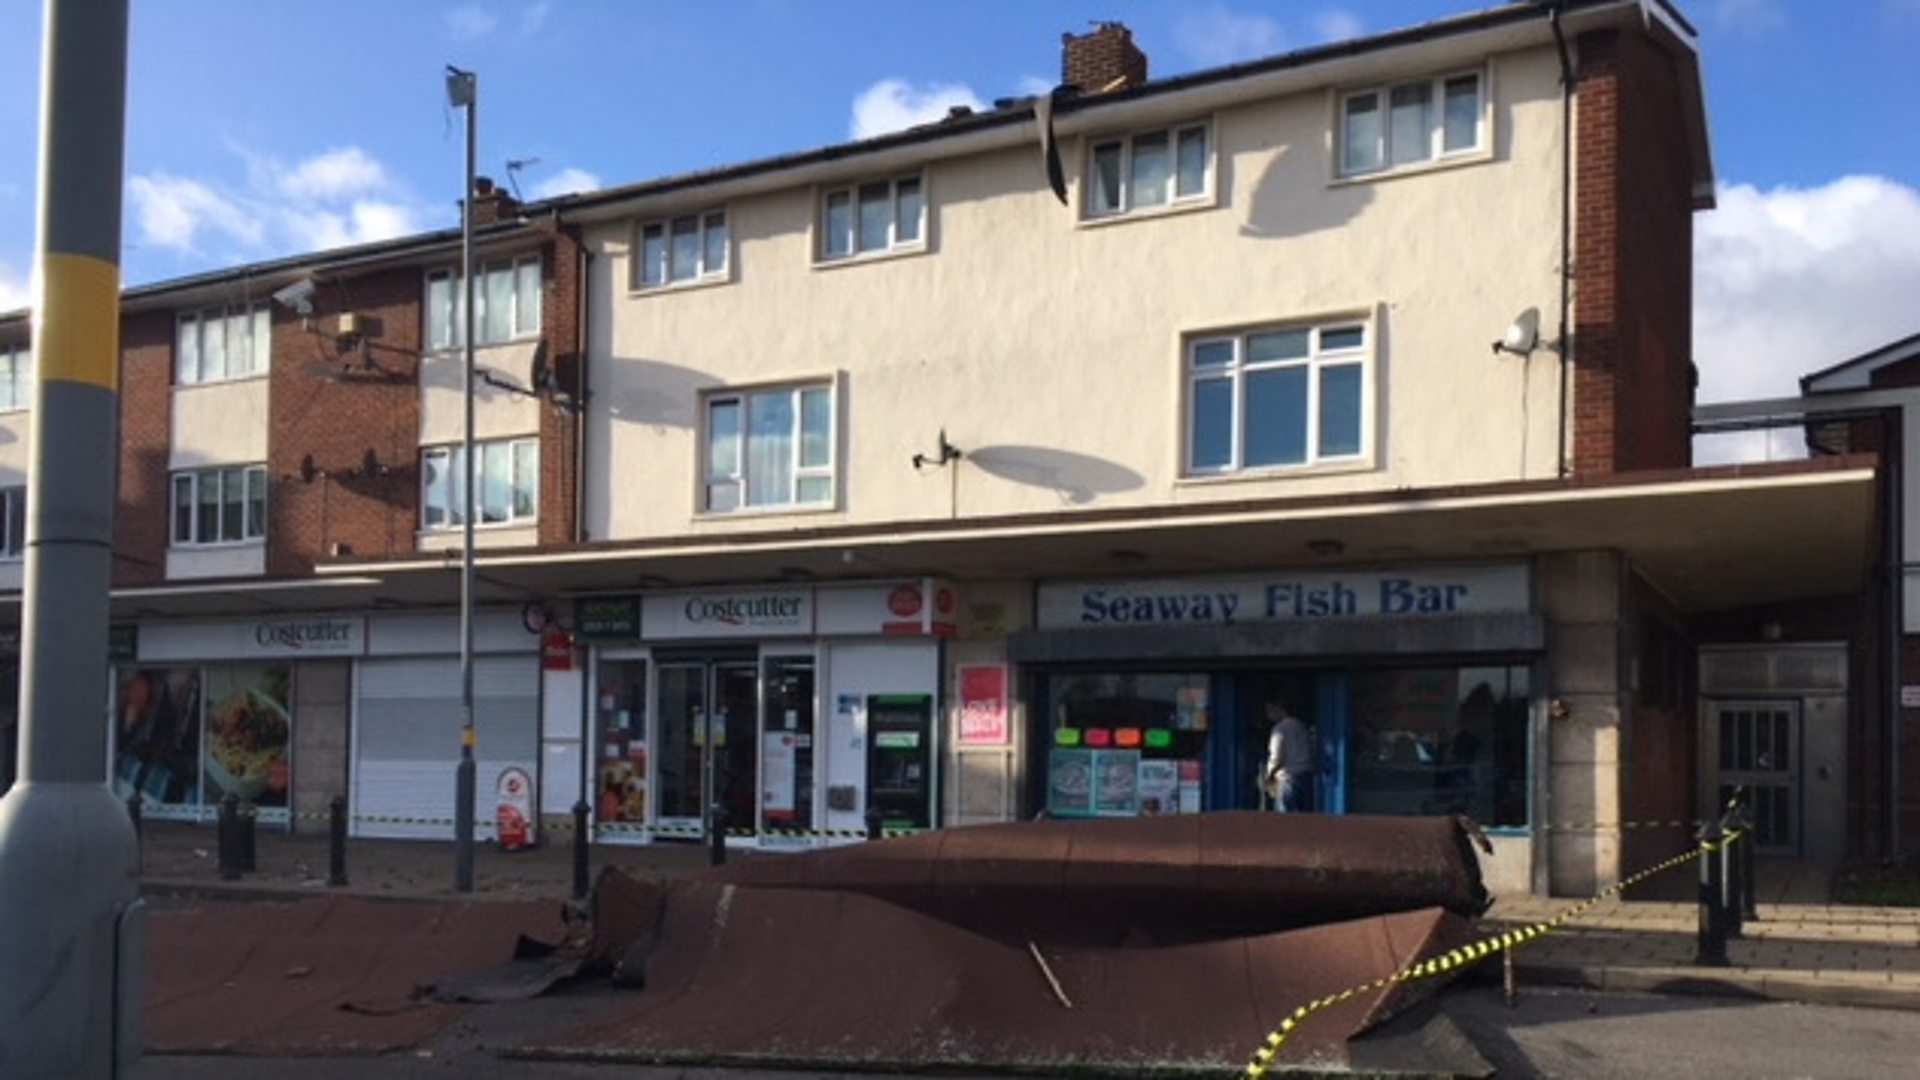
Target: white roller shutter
point(407, 740)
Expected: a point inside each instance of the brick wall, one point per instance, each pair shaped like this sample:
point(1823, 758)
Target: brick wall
point(1633, 257)
point(140, 511)
point(1093, 61)
point(327, 403)
point(559, 427)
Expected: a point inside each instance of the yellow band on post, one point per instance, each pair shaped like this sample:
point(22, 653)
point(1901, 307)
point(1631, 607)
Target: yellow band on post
point(78, 335)
point(467, 738)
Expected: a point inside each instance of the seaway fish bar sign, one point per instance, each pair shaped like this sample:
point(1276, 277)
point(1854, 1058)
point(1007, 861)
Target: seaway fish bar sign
point(1286, 595)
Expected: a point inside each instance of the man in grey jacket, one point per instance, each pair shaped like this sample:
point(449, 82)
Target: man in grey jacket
point(1289, 773)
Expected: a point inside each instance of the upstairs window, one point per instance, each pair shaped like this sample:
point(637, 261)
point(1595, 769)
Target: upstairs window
point(769, 448)
point(506, 303)
point(16, 378)
point(506, 479)
point(1393, 127)
point(874, 217)
point(13, 523)
point(219, 506)
point(223, 343)
point(1148, 171)
point(1276, 398)
point(682, 250)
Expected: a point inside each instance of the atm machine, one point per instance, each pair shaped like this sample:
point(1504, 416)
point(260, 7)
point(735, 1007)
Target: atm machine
point(900, 759)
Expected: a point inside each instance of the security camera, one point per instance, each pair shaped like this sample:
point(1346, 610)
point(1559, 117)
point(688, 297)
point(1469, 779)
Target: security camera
point(297, 297)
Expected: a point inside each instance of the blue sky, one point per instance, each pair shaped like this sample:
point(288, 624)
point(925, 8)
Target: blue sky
point(259, 129)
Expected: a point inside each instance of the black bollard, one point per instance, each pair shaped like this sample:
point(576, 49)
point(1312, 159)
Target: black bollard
point(1749, 889)
point(247, 816)
point(874, 831)
point(580, 850)
point(139, 846)
point(717, 828)
point(1730, 870)
point(229, 839)
point(337, 841)
point(1712, 949)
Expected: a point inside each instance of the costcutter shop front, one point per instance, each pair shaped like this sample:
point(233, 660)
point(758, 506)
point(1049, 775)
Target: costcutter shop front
point(793, 709)
point(1423, 687)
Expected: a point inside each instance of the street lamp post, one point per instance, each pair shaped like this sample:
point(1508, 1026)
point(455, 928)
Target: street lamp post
point(463, 91)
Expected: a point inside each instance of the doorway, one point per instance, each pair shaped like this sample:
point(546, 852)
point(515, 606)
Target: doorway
point(1759, 744)
point(709, 731)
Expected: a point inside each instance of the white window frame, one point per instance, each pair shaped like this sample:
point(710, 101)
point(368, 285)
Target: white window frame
point(192, 357)
point(706, 223)
point(192, 481)
point(896, 243)
point(1316, 361)
point(13, 524)
point(1127, 204)
point(1436, 151)
point(16, 378)
point(740, 479)
point(522, 324)
point(453, 500)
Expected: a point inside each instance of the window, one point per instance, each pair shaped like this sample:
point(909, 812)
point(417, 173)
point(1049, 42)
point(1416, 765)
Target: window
point(1440, 741)
point(13, 522)
point(770, 448)
point(884, 215)
point(506, 300)
point(683, 249)
point(1277, 397)
point(16, 377)
point(1148, 171)
point(1393, 127)
point(222, 343)
point(507, 481)
point(219, 506)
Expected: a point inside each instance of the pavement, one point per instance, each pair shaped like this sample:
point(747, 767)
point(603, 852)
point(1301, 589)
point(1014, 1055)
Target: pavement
point(1803, 948)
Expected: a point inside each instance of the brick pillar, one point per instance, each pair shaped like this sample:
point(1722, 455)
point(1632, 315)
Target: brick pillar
point(560, 427)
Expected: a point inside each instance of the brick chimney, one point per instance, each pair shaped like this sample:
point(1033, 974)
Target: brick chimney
point(490, 204)
point(1103, 60)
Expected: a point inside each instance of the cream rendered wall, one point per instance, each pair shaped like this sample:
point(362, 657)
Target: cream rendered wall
point(497, 413)
point(222, 423)
point(1050, 350)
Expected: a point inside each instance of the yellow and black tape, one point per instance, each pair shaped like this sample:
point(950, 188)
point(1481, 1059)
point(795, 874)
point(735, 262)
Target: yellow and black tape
point(1464, 956)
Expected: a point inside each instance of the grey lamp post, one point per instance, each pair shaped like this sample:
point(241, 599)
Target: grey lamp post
point(463, 91)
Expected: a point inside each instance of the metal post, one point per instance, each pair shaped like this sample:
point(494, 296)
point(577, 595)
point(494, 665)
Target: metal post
point(1749, 888)
point(874, 831)
point(463, 90)
point(133, 817)
point(1732, 886)
point(580, 885)
point(70, 918)
point(229, 838)
point(337, 841)
point(717, 829)
point(244, 820)
point(1712, 947)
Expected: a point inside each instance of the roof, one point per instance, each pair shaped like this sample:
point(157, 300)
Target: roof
point(1858, 373)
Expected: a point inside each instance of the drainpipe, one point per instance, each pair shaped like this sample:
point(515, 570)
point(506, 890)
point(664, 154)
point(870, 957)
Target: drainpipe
point(1566, 219)
point(581, 293)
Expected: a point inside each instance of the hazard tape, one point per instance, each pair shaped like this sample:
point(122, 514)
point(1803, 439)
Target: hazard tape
point(1466, 955)
point(566, 825)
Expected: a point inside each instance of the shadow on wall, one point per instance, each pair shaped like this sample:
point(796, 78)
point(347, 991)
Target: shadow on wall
point(1293, 198)
point(654, 392)
point(1078, 478)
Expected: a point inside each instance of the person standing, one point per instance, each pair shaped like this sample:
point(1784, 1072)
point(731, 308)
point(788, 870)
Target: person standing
point(1289, 775)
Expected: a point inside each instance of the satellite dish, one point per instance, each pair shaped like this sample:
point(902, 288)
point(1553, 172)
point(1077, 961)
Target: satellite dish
point(1522, 336)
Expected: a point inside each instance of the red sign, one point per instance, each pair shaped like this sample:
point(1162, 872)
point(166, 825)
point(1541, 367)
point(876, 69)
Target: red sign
point(556, 650)
point(904, 601)
point(513, 808)
point(983, 704)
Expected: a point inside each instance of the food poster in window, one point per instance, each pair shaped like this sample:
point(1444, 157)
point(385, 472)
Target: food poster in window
point(249, 741)
point(1070, 782)
point(779, 776)
point(1159, 787)
point(620, 719)
point(156, 735)
point(1116, 783)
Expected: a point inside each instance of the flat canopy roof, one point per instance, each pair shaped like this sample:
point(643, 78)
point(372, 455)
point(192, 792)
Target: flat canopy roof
point(1709, 539)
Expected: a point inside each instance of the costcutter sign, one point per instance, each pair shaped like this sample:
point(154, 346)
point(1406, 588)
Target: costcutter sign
point(1284, 596)
point(294, 637)
point(729, 613)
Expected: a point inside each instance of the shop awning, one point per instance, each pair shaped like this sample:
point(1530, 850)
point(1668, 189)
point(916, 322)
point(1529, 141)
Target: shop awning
point(1709, 539)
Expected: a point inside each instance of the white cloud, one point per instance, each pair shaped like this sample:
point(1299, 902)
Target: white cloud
point(332, 199)
point(336, 173)
point(1753, 15)
point(1032, 86)
point(566, 182)
point(1213, 36)
point(174, 211)
point(1338, 26)
point(15, 292)
point(895, 104)
point(534, 16)
point(1790, 281)
point(471, 22)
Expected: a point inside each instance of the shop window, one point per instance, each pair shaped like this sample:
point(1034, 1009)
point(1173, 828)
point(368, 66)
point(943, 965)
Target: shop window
point(620, 720)
point(1126, 744)
point(187, 737)
point(1429, 741)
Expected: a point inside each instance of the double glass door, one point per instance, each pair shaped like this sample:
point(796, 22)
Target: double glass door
point(709, 742)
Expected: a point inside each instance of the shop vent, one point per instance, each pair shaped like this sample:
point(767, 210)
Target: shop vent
point(1747, 671)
